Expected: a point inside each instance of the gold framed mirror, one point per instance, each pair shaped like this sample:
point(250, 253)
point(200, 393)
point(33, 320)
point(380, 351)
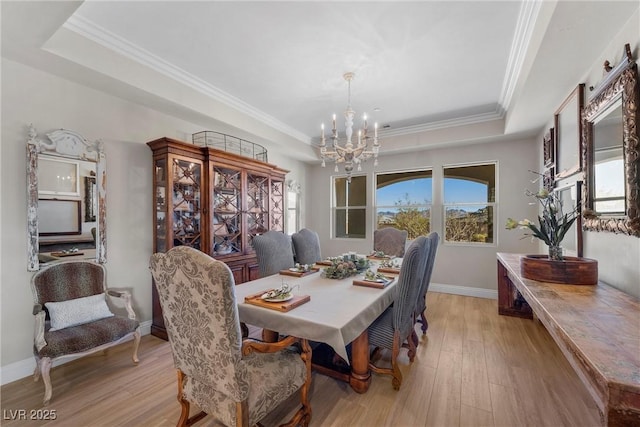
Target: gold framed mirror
point(55, 200)
point(611, 152)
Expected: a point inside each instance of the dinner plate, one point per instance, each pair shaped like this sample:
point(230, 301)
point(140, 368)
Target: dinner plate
point(279, 299)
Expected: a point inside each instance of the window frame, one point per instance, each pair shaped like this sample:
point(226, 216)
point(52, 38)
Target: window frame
point(292, 186)
point(346, 208)
point(493, 204)
point(419, 206)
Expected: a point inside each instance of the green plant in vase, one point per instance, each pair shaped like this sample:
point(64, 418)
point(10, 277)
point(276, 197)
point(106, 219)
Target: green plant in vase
point(553, 223)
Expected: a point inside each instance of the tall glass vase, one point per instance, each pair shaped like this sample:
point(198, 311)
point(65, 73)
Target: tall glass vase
point(555, 252)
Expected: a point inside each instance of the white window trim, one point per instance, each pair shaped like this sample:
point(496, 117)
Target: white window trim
point(333, 208)
point(292, 186)
point(495, 204)
point(430, 206)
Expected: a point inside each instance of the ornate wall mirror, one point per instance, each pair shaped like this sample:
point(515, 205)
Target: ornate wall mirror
point(611, 152)
point(66, 198)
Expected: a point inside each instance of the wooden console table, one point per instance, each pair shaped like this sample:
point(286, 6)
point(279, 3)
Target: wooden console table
point(596, 327)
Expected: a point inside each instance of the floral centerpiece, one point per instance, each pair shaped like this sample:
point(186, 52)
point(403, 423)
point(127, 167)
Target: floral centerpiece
point(553, 223)
point(345, 266)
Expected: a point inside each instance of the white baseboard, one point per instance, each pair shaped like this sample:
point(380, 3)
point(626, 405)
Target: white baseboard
point(24, 368)
point(467, 291)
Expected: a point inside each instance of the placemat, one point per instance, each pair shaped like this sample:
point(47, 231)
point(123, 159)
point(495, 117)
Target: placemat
point(300, 273)
point(378, 257)
point(284, 306)
point(388, 270)
point(370, 284)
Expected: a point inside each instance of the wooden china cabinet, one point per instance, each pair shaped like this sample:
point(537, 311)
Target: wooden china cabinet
point(214, 201)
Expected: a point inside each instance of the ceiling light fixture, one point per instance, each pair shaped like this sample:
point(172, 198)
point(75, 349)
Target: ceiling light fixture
point(350, 153)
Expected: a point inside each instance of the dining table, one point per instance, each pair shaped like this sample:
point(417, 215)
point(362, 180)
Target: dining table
point(337, 313)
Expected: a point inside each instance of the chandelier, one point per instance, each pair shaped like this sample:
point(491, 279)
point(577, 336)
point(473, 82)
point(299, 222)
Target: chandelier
point(350, 153)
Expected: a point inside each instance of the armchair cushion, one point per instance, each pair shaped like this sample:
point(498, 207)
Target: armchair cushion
point(80, 338)
point(77, 311)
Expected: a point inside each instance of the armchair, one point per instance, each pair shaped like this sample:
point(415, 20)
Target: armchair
point(237, 382)
point(72, 317)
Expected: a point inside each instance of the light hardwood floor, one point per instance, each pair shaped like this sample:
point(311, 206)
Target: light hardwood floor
point(473, 368)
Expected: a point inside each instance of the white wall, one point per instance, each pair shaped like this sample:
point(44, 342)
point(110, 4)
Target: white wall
point(618, 255)
point(456, 265)
point(49, 102)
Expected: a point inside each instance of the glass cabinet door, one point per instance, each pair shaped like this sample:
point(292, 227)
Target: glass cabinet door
point(257, 206)
point(226, 226)
point(160, 203)
point(277, 205)
point(186, 203)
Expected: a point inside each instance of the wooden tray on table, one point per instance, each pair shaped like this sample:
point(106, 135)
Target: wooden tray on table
point(324, 263)
point(388, 270)
point(379, 258)
point(299, 273)
point(373, 284)
point(282, 306)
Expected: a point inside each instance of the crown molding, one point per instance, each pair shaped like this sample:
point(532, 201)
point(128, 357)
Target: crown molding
point(103, 37)
point(442, 124)
point(525, 26)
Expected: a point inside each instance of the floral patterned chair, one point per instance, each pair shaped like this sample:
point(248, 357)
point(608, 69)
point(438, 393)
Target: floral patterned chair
point(72, 317)
point(237, 382)
point(390, 240)
point(306, 246)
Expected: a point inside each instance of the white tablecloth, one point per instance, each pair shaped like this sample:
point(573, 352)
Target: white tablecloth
point(337, 313)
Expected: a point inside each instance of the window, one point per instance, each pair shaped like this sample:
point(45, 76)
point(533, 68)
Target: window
point(350, 207)
point(292, 211)
point(403, 201)
point(469, 203)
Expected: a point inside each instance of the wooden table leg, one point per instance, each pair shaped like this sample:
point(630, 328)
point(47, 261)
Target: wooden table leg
point(270, 336)
point(360, 375)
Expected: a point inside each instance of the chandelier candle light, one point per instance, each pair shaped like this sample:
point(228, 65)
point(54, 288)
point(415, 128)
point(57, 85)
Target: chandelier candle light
point(350, 153)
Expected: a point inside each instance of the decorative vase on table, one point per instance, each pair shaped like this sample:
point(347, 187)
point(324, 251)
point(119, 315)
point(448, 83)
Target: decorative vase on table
point(552, 226)
point(555, 252)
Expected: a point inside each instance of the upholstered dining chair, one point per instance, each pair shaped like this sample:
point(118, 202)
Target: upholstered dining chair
point(395, 325)
point(390, 240)
point(237, 382)
point(306, 246)
point(421, 306)
point(72, 317)
point(274, 252)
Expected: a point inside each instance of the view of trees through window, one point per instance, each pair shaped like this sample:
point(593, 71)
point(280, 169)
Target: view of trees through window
point(469, 203)
point(403, 201)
